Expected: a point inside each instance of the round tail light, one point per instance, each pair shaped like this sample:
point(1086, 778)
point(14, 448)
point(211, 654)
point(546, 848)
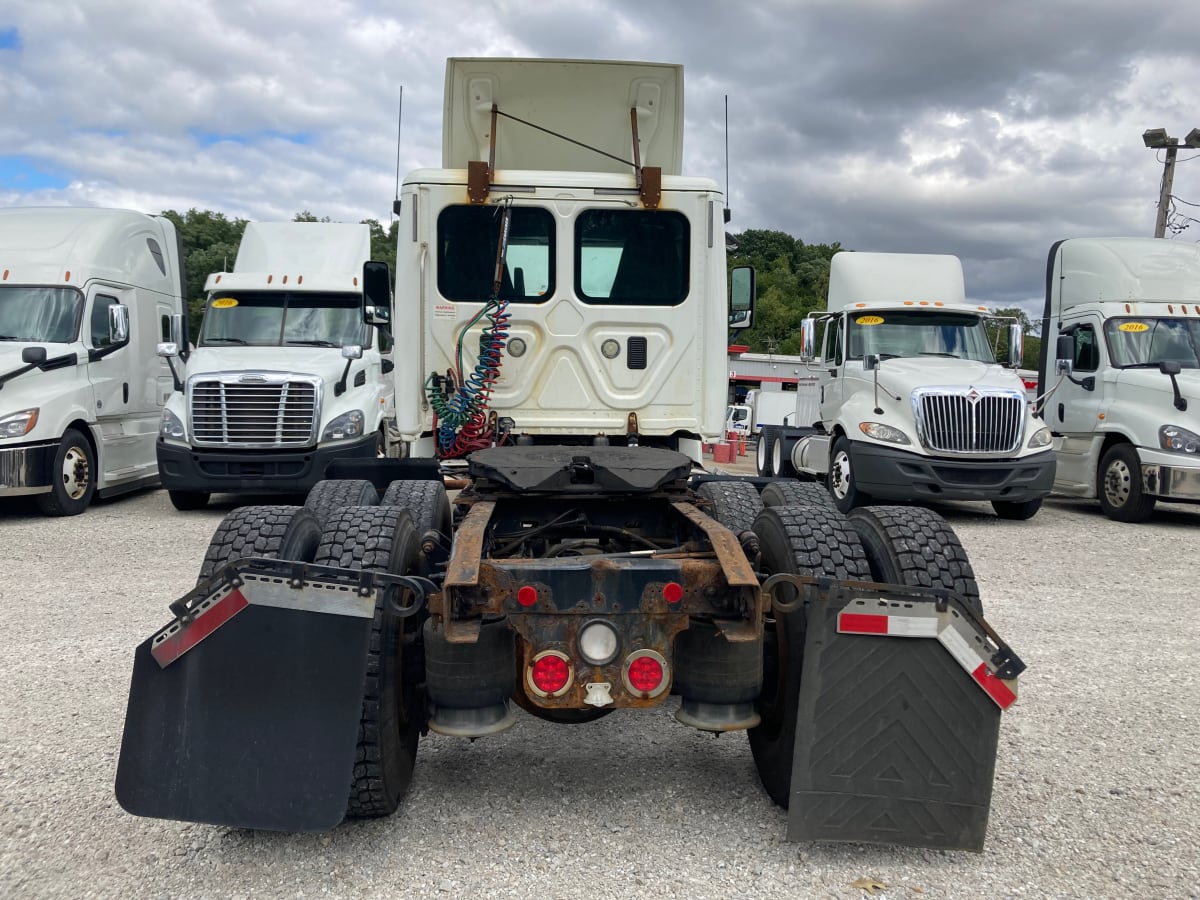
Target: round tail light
point(550, 673)
point(645, 673)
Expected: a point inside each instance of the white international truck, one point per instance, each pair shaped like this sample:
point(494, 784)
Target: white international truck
point(563, 356)
point(1123, 316)
point(913, 405)
point(285, 376)
point(85, 296)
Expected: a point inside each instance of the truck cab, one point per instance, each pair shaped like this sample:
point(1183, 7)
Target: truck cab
point(913, 404)
point(85, 295)
point(285, 376)
point(1122, 317)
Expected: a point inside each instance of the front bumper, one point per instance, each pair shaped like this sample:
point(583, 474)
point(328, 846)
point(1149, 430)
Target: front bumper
point(252, 471)
point(1163, 475)
point(26, 469)
point(896, 475)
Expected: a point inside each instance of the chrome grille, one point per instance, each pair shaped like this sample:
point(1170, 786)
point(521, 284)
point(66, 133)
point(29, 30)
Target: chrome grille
point(969, 421)
point(272, 411)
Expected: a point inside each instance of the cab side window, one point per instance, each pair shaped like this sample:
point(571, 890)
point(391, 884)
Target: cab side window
point(833, 343)
point(1087, 353)
point(101, 332)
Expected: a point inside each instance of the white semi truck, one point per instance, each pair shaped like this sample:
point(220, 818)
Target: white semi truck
point(1123, 315)
point(563, 357)
point(85, 296)
point(913, 405)
point(285, 376)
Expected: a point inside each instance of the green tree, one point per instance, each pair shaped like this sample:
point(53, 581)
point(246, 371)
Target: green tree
point(210, 243)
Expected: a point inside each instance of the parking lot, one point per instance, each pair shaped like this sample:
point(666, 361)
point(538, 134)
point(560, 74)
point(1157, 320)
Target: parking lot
point(1097, 792)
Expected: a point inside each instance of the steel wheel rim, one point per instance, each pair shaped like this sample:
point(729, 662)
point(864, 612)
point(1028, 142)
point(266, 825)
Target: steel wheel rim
point(777, 457)
point(1117, 481)
point(839, 480)
point(75, 473)
point(761, 453)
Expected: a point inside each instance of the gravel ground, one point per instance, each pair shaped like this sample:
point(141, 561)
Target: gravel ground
point(1097, 790)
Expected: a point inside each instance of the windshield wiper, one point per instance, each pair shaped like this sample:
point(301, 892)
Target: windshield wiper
point(945, 355)
point(314, 343)
point(10, 337)
point(224, 340)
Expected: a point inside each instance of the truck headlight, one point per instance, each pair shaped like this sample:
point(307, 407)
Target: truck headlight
point(1041, 438)
point(18, 424)
point(171, 426)
point(882, 432)
point(347, 425)
point(1178, 440)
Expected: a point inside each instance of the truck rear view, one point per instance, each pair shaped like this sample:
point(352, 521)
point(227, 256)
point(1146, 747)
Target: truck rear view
point(560, 355)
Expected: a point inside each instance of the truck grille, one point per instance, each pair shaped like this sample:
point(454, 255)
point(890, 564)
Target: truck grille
point(270, 411)
point(970, 421)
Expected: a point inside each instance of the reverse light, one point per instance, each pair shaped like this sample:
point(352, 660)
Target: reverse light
point(1178, 440)
point(645, 673)
point(598, 643)
point(347, 425)
point(18, 424)
point(171, 426)
point(550, 673)
point(882, 432)
point(1041, 438)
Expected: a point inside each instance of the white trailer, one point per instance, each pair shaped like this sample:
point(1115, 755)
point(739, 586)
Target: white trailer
point(1123, 317)
point(285, 376)
point(85, 296)
point(913, 405)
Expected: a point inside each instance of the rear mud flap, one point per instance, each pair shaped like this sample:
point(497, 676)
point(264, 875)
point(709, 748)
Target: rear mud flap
point(897, 742)
point(244, 711)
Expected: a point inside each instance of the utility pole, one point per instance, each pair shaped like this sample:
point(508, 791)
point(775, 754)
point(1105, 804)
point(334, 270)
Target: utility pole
point(1157, 139)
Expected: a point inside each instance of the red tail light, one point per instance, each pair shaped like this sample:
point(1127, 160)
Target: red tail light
point(645, 673)
point(672, 591)
point(551, 673)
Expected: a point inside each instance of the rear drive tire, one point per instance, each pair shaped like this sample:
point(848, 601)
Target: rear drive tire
point(735, 504)
point(1119, 485)
point(382, 539)
point(426, 501)
point(797, 493)
point(762, 451)
point(72, 477)
point(277, 532)
point(914, 546)
point(329, 496)
point(185, 501)
point(797, 541)
point(1017, 510)
point(841, 480)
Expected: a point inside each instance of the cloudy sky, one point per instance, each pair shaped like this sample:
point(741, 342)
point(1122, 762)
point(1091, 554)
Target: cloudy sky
point(987, 130)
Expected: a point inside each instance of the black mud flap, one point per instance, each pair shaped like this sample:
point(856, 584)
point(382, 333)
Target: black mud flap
point(245, 713)
point(896, 742)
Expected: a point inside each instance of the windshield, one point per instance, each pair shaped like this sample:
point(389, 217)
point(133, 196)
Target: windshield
point(283, 319)
point(1147, 342)
point(893, 333)
point(47, 314)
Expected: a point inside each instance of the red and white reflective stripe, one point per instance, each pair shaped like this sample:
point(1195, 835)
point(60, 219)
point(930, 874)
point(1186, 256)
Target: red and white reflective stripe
point(909, 625)
point(952, 632)
point(179, 638)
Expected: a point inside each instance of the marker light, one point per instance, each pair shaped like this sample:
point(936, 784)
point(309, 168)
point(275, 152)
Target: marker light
point(527, 595)
point(550, 674)
point(672, 591)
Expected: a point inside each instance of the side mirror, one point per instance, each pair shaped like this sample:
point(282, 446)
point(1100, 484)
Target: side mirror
point(1167, 366)
point(1016, 345)
point(352, 351)
point(167, 349)
point(808, 338)
point(870, 362)
point(118, 324)
point(35, 356)
point(742, 297)
point(377, 294)
point(1064, 355)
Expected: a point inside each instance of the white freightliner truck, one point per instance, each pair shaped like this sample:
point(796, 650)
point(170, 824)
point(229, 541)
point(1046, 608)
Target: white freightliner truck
point(1125, 407)
point(562, 357)
point(285, 376)
point(85, 295)
point(913, 405)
